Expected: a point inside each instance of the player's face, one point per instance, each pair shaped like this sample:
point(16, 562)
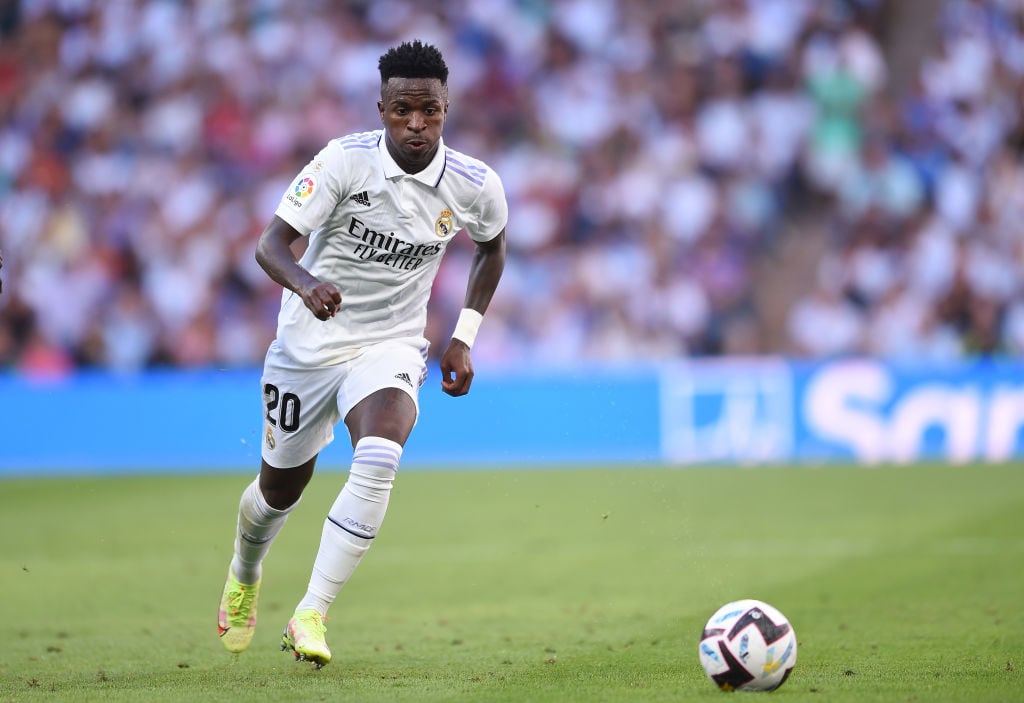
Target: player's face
point(413, 112)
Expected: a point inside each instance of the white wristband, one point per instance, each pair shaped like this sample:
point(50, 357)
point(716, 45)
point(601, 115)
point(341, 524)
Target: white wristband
point(467, 326)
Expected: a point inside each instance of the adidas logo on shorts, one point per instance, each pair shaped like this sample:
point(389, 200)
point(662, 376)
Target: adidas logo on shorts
point(404, 377)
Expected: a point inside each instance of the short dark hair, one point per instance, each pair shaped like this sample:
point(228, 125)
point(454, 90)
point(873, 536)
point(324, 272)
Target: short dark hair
point(413, 60)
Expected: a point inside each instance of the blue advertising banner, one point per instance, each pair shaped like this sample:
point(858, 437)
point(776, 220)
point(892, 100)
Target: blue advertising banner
point(858, 410)
point(735, 411)
point(212, 420)
point(740, 411)
point(870, 412)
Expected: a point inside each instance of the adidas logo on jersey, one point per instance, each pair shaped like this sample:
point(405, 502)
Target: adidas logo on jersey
point(404, 377)
point(362, 198)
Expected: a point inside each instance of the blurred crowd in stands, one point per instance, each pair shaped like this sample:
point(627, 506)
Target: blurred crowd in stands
point(655, 153)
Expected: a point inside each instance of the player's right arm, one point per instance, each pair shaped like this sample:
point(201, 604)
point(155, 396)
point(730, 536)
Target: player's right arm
point(274, 254)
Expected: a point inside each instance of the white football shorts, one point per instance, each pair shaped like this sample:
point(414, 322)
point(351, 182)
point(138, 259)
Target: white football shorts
point(302, 405)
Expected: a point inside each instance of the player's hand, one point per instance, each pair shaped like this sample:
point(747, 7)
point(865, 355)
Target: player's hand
point(456, 369)
point(322, 299)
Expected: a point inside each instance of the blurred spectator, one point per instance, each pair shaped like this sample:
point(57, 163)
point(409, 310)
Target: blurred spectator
point(826, 323)
point(654, 153)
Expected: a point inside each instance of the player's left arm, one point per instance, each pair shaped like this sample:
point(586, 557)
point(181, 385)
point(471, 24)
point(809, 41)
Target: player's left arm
point(484, 274)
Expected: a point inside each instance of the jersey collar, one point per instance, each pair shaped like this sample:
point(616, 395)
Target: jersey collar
point(430, 176)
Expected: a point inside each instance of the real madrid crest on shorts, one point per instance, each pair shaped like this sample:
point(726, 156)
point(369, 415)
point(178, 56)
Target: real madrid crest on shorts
point(443, 224)
point(271, 443)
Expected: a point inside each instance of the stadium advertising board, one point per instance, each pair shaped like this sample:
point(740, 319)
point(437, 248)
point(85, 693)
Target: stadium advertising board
point(861, 410)
point(746, 411)
point(873, 413)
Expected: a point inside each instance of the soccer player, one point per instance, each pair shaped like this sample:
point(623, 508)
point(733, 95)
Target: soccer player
point(379, 209)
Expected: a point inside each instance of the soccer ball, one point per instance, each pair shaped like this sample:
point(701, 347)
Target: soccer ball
point(748, 645)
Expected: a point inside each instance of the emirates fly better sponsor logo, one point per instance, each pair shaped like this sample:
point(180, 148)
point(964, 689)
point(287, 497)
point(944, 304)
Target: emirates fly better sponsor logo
point(387, 249)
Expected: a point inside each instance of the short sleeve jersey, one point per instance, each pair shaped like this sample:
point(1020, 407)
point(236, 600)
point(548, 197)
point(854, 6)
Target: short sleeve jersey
point(378, 234)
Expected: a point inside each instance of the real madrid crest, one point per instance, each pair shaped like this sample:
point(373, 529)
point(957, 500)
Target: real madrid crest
point(443, 224)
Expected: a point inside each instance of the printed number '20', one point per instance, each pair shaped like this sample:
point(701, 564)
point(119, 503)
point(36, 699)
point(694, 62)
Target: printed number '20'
point(285, 406)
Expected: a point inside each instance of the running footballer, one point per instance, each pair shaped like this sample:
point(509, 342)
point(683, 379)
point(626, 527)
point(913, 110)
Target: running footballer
point(379, 209)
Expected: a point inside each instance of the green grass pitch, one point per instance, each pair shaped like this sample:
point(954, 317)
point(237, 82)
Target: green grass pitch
point(565, 584)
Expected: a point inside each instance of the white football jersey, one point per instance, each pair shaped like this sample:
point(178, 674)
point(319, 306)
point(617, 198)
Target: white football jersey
point(378, 234)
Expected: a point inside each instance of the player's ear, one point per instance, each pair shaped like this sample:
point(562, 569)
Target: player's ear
point(380, 109)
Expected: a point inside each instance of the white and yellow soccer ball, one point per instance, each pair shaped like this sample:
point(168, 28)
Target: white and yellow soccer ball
point(748, 645)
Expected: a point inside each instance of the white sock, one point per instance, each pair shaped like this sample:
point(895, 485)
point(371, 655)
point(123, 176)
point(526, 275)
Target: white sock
point(353, 520)
point(258, 525)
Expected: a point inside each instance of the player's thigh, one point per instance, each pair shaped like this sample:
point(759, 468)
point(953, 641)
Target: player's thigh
point(380, 395)
point(300, 412)
point(389, 413)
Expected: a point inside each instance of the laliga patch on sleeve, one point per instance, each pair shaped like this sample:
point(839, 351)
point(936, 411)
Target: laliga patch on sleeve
point(301, 190)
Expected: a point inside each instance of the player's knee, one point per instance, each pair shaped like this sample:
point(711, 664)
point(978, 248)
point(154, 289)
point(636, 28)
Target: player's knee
point(282, 488)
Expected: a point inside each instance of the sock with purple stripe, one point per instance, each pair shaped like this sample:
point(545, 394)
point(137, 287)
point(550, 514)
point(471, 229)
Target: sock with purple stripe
point(353, 520)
